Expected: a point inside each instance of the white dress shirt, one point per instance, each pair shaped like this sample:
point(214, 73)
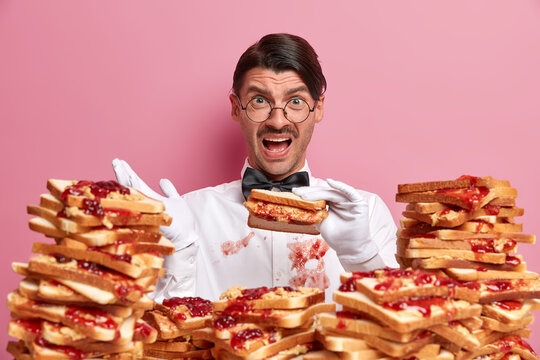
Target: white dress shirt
point(225, 252)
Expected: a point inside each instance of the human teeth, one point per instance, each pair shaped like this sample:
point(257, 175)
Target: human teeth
point(277, 140)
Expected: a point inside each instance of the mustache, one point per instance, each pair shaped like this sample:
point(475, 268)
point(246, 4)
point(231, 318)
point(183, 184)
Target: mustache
point(284, 130)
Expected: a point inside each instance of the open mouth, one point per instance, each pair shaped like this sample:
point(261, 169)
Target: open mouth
point(276, 145)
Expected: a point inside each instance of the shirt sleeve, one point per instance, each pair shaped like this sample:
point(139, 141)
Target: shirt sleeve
point(179, 279)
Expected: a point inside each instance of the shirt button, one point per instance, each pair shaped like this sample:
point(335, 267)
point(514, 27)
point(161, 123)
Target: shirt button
point(191, 259)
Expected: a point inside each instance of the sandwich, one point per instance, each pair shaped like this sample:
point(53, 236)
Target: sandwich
point(284, 211)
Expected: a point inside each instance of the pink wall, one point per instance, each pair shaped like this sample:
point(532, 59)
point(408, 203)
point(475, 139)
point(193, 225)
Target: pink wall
point(418, 90)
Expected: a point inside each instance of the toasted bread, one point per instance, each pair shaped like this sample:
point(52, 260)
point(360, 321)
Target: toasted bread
point(412, 318)
point(271, 298)
point(260, 223)
point(464, 181)
point(130, 200)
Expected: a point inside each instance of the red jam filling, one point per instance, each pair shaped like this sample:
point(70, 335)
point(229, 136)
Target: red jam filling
point(498, 285)
point(73, 353)
point(509, 304)
point(507, 343)
point(90, 318)
point(349, 285)
point(512, 260)
point(473, 179)
point(33, 326)
point(197, 306)
point(238, 339)
point(100, 190)
point(120, 257)
point(143, 329)
point(483, 246)
point(273, 213)
point(257, 293)
point(348, 315)
point(420, 304)
point(224, 321)
point(492, 209)
point(472, 196)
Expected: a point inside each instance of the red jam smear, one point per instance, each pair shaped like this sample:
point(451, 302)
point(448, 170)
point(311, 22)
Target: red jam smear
point(492, 209)
point(483, 246)
point(197, 306)
point(225, 321)
point(420, 304)
point(71, 352)
point(509, 304)
point(512, 260)
point(143, 329)
point(239, 339)
point(100, 190)
point(30, 325)
point(257, 293)
point(472, 196)
point(120, 257)
point(273, 213)
point(507, 343)
point(229, 316)
point(498, 285)
point(348, 315)
point(473, 179)
point(349, 285)
point(90, 318)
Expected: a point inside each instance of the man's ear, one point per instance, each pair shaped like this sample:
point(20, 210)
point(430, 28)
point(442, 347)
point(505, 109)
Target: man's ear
point(235, 108)
point(319, 109)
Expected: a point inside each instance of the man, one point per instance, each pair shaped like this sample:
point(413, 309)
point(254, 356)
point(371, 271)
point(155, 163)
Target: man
point(278, 98)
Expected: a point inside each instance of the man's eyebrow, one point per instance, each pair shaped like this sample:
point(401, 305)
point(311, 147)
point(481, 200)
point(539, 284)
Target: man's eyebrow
point(302, 88)
point(257, 90)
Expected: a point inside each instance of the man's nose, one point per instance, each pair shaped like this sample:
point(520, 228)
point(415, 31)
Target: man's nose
point(277, 118)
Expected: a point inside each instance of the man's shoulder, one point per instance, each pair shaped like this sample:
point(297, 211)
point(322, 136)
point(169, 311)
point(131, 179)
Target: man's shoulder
point(230, 190)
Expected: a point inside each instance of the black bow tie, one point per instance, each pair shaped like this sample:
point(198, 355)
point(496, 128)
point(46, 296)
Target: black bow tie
point(254, 179)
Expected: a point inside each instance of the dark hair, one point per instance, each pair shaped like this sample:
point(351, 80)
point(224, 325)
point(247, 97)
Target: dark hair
point(280, 52)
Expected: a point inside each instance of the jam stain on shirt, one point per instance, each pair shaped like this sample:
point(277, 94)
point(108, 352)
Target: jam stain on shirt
point(300, 253)
point(233, 247)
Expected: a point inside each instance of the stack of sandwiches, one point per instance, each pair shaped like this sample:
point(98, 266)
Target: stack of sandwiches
point(175, 320)
point(388, 313)
point(263, 322)
point(84, 294)
point(464, 229)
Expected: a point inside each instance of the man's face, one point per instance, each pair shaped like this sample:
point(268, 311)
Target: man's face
point(277, 147)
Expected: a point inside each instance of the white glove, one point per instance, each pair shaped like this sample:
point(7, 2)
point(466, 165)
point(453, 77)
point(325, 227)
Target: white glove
point(346, 229)
point(183, 228)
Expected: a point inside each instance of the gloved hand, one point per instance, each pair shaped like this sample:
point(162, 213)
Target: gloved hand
point(346, 229)
point(183, 227)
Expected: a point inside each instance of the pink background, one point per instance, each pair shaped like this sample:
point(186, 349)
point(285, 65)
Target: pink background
point(418, 90)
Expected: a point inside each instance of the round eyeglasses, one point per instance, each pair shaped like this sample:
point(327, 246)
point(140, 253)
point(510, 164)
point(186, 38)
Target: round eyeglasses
point(258, 109)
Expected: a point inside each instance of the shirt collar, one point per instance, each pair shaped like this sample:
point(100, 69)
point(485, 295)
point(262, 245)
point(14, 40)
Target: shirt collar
point(305, 168)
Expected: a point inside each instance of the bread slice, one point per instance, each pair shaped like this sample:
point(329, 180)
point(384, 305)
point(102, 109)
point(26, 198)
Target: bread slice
point(458, 334)
point(510, 311)
point(171, 346)
point(99, 237)
point(386, 285)
point(160, 354)
point(513, 263)
point(485, 245)
point(339, 343)
point(485, 274)
point(167, 329)
point(135, 266)
point(99, 326)
point(110, 216)
point(448, 234)
point(463, 181)
point(481, 226)
point(256, 349)
point(287, 198)
point(497, 325)
point(271, 298)
point(509, 344)
point(349, 323)
point(433, 207)
point(123, 287)
point(436, 311)
point(284, 318)
point(187, 312)
point(132, 199)
point(492, 258)
point(260, 223)
point(469, 198)
point(499, 290)
point(450, 218)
